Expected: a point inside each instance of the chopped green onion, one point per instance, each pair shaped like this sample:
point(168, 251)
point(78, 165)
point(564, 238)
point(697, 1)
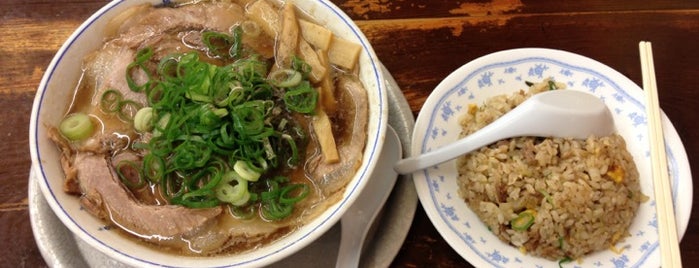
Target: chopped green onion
point(302, 98)
point(141, 57)
point(110, 100)
point(552, 85)
point(232, 93)
point(278, 203)
point(237, 47)
point(548, 197)
point(210, 116)
point(262, 167)
point(202, 198)
point(299, 65)
point(127, 110)
point(285, 78)
point(143, 121)
point(244, 170)
point(217, 43)
point(218, 130)
point(161, 125)
point(249, 118)
point(76, 126)
point(276, 211)
point(286, 192)
point(236, 195)
point(564, 261)
point(127, 170)
point(153, 167)
point(560, 242)
point(294, 159)
point(245, 213)
point(523, 221)
point(168, 67)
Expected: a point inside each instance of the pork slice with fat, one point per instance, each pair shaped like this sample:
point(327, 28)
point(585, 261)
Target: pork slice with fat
point(216, 16)
point(332, 177)
point(105, 197)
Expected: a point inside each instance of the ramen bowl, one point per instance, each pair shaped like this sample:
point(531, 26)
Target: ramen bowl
point(56, 92)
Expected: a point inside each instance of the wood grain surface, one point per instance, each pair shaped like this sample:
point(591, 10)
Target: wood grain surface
point(420, 42)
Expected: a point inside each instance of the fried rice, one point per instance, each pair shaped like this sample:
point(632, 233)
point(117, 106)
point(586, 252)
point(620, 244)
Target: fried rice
point(551, 197)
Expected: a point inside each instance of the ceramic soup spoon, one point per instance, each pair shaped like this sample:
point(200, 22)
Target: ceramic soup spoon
point(556, 113)
point(358, 219)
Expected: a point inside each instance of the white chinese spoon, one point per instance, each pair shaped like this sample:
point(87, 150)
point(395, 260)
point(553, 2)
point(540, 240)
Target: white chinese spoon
point(556, 113)
point(358, 219)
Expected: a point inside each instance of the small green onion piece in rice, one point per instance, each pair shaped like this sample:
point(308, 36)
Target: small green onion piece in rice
point(523, 221)
point(560, 242)
point(552, 85)
point(564, 260)
point(548, 197)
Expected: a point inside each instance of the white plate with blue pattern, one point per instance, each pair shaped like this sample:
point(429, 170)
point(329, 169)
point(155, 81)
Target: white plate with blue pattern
point(505, 72)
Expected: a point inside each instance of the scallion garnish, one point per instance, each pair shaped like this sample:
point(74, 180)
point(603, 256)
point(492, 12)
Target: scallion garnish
point(76, 126)
point(142, 56)
point(564, 261)
point(217, 43)
point(219, 132)
point(143, 121)
point(552, 85)
point(302, 98)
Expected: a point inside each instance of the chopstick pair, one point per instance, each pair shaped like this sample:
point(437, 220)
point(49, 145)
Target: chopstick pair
point(667, 227)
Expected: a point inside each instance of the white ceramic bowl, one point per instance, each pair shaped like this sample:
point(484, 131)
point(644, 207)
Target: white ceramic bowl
point(503, 73)
point(56, 89)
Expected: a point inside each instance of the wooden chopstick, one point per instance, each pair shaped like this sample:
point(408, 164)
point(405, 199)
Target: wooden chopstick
point(667, 227)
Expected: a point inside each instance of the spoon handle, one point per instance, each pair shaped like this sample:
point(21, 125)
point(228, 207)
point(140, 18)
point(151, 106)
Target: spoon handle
point(509, 125)
point(448, 152)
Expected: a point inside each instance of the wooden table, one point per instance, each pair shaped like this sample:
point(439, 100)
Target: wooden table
point(420, 42)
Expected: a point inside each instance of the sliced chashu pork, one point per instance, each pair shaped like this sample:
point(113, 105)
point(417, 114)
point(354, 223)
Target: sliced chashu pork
point(151, 22)
point(106, 197)
point(351, 141)
point(185, 229)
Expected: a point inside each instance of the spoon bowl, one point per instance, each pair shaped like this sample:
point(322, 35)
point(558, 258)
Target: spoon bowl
point(555, 113)
point(357, 222)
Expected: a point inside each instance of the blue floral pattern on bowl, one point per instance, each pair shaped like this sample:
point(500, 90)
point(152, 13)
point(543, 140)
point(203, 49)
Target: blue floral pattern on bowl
point(503, 73)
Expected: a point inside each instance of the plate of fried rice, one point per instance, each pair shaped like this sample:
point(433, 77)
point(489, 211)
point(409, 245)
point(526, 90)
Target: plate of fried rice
point(538, 201)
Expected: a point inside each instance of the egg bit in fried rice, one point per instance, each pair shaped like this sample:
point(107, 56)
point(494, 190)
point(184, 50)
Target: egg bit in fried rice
point(556, 198)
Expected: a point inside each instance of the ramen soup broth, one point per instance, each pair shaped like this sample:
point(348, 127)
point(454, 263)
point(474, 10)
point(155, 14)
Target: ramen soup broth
point(106, 168)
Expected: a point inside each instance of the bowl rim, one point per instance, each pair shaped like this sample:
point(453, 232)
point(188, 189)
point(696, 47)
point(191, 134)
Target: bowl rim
point(320, 224)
